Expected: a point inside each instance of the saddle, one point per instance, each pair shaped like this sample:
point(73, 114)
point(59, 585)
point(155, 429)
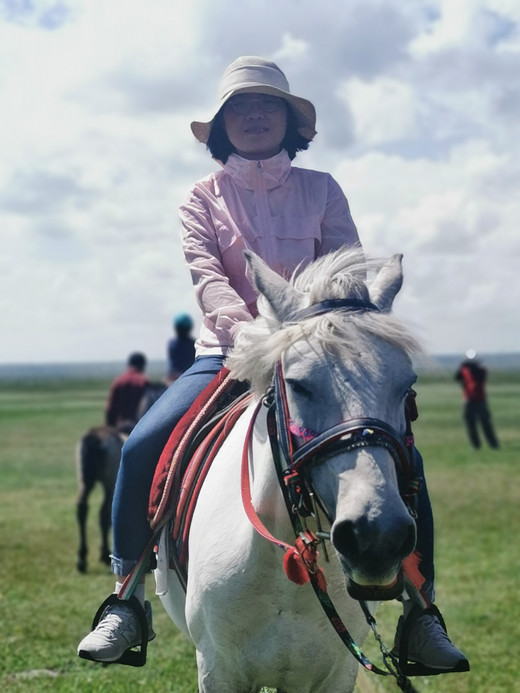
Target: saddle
point(187, 458)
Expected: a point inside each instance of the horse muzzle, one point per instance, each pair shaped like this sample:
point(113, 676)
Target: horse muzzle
point(371, 557)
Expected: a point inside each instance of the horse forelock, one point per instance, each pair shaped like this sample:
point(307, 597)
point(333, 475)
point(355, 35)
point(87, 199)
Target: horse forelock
point(342, 274)
point(336, 275)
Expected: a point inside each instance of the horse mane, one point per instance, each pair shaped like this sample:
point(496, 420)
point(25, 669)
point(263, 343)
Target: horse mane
point(339, 274)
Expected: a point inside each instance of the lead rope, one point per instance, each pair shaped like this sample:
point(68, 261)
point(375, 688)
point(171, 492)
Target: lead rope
point(281, 442)
point(318, 584)
point(305, 555)
point(305, 540)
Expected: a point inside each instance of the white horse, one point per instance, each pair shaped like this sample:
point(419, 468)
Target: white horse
point(341, 362)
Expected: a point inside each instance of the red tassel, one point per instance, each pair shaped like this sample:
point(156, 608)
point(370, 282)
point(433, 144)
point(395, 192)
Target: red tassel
point(295, 568)
point(411, 568)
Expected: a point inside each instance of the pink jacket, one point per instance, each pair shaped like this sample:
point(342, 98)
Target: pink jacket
point(286, 215)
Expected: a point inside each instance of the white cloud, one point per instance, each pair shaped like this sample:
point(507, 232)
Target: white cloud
point(291, 49)
point(459, 242)
point(383, 110)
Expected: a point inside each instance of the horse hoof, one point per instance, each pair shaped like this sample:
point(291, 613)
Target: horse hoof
point(105, 558)
point(81, 565)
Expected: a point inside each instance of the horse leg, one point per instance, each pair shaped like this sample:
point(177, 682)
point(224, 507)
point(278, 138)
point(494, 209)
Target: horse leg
point(81, 515)
point(214, 676)
point(105, 522)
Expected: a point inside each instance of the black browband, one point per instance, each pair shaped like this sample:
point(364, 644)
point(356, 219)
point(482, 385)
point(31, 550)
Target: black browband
point(348, 304)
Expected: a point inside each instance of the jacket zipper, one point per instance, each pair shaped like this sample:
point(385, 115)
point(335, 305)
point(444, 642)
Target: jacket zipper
point(264, 216)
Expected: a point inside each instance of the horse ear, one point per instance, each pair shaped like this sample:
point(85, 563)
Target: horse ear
point(282, 297)
point(387, 283)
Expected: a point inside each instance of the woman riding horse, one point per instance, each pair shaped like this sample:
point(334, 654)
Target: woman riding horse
point(289, 217)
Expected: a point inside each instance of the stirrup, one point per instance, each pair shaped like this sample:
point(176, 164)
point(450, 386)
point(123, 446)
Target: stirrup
point(132, 657)
point(415, 668)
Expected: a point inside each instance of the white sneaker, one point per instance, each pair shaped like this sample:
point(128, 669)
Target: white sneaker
point(117, 631)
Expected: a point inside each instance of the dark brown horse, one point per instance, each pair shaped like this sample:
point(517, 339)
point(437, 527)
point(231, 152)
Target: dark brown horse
point(97, 457)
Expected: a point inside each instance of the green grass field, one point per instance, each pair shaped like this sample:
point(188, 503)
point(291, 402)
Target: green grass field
point(46, 606)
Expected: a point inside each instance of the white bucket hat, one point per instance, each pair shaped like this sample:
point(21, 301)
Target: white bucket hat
point(252, 74)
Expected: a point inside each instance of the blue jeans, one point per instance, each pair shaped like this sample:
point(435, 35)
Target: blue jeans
point(424, 524)
point(139, 459)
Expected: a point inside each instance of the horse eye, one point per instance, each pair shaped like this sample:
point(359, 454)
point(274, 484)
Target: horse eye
point(411, 386)
point(409, 390)
point(299, 389)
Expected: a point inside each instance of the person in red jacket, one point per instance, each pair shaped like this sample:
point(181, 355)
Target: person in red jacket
point(472, 376)
point(126, 393)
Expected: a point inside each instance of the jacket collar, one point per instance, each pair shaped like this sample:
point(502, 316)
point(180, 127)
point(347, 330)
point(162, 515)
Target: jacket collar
point(245, 173)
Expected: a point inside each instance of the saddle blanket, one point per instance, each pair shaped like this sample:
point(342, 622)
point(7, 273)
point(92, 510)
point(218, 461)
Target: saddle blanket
point(187, 456)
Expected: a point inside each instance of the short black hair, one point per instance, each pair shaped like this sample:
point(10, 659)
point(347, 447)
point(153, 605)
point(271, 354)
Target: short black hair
point(137, 360)
point(220, 147)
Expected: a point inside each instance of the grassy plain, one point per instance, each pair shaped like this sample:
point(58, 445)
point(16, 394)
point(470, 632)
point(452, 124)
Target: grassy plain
point(46, 606)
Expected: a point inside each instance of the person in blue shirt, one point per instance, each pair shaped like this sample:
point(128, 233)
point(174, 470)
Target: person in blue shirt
point(181, 348)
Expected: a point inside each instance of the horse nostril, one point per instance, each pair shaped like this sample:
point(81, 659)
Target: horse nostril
point(357, 538)
point(351, 538)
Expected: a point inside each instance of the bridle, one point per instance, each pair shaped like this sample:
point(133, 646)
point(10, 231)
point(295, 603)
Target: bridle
point(293, 465)
point(347, 435)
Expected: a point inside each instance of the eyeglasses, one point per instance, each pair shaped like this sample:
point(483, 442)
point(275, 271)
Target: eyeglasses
point(241, 105)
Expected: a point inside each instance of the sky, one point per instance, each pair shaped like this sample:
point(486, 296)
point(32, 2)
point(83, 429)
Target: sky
point(418, 107)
